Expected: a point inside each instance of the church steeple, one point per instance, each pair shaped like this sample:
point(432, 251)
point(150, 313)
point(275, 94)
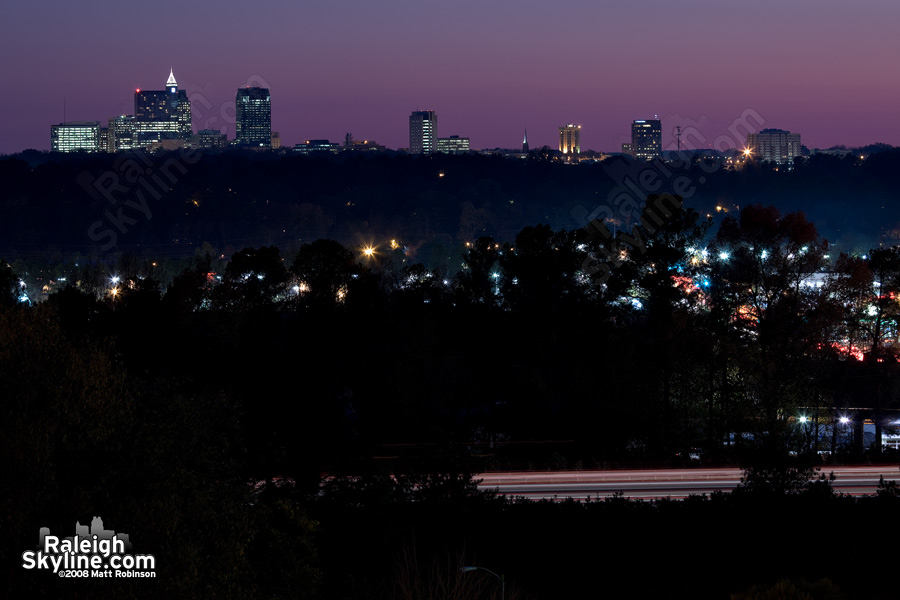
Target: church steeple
point(171, 84)
point(525, 142)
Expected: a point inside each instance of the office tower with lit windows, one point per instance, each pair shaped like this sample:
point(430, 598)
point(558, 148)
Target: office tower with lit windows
point(121, 133)
point(161, 115)
point(646, 139)
point(774, 145)
point(570, 139)
point(453, 145)
point(74, 136)
point(422, 132)
point(253, 114)
point(103, 140)
point(209, 139)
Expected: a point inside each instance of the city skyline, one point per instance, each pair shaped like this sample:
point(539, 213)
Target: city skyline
point(423, 138)
point(818, 69)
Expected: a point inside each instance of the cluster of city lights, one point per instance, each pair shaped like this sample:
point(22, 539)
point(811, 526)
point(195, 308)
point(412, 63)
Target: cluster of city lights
point(804, 419)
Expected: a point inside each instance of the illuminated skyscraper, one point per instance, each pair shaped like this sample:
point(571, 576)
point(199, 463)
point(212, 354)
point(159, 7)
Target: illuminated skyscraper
point(74, 136)
point(161, 114)
point(570, 139)
point(253, 113)
point(774, 145)
point(646, 139)
point(422, 132)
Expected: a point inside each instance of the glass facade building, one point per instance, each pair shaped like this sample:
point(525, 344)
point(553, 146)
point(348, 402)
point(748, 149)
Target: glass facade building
point(253, 117)
point(646, 139)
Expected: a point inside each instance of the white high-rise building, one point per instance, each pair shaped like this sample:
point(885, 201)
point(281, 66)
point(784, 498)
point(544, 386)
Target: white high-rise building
point(774, 145)
point(422, 132)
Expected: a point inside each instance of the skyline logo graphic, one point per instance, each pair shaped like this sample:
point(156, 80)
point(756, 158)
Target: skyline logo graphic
point(92, 552)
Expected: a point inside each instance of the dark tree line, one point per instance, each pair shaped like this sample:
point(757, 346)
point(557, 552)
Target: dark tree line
point(57, 205)
point(698, 339)
point(205, 410)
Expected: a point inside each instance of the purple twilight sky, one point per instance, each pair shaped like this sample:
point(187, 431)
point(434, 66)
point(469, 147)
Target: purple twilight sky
point(489, 68)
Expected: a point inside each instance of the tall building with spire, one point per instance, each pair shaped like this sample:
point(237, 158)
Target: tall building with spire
point(422, 132)
point(253, 114)
point(161, 115)
point(525, 142)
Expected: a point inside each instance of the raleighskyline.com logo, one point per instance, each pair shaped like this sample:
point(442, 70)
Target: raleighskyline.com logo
point(96, 553)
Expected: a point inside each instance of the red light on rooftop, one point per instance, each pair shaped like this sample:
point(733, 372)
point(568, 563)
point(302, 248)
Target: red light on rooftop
point(137, 90)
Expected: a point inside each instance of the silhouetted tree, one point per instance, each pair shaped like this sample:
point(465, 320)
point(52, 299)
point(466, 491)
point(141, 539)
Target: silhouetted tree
point(664, 282)
point(768, 287)
point(323, 270)
point(189, 291)
point(542, 271)
point(479, 281)
point(253, 279)
point(8, 284)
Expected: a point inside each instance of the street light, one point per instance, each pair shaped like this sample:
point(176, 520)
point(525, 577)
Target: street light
point(500, 577)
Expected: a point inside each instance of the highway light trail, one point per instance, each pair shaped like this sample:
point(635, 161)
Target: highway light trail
point(659, 483)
